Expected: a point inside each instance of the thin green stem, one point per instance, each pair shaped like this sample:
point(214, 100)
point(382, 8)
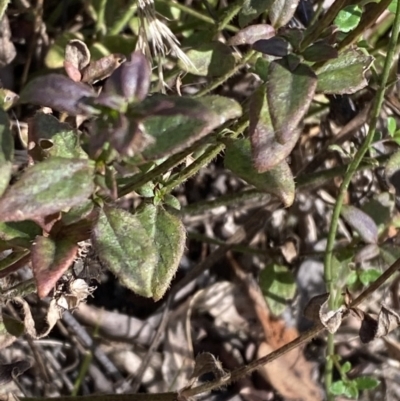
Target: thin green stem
point(220, 80)
point(328, 265)
point(120, 24)
point(100, 22)
point(229, 14)
point(203, 160)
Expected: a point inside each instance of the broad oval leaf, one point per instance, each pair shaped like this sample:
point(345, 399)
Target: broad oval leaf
point(209, 60)
point(6, 151)
point(50, 259)
point(143, 250)
point(252, 33)
point(46, 188)
point(177, 122)
point(360, 222)
point(124, 247)
point(267, 152)
point(168, 236)
point(348, 18)
point(251, 9)
point(57, 92)
point(19, 233)
point(345, 74)
point(277, 181)
point(77, 57)
point(289, 95)
point(281, 12)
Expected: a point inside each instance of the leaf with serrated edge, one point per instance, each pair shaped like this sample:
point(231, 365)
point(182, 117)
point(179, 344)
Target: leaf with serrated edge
point(46, 188)
point(125, 248)
point(50, 259)
point(6, 151)
point(168, 237)
point(277, 181)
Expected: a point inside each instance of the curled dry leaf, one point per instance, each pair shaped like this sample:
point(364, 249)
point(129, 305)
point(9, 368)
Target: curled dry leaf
point(9, 371)
point(52, 316)
point(77, 57)
point(317, 311)
point(372, 328)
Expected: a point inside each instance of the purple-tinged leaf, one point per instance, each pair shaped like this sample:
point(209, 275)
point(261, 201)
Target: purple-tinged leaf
point(6, 151)
point(363, 224)
point(176, 122)
point(57, 92)
point(289, 95)
point(267, 152)
point(131, 80)
point(275, 46)
point(281, 12)
point(50, 259)
point(47, 188)
point(277, 181)
point(345, 74)
point(251, 34)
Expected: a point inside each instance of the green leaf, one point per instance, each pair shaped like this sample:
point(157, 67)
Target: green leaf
point(369, 276)
point(338, 388)
point(6, 151)
point(50, 259)
point(142, 250)
point(352, 278)
point(177, 122)
point(392, 125)
point(46, 188)
point(13, 326)
point(277, 181)
point(346, 367)
point(393, 6)
point(261, 68)
point(281, 12)
point(351, 390)
point(6, 338)
point(209, 60)
point(278, 286)
point(252, 9)
point(56, 138)
point(20, 233)
point(345, 74)
point(366, 382)
point(360, 222)
point(267, 151)
point(249, 35)
point(168, 237)
point(320, 52)
point(289, 93)
point(348, 18)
